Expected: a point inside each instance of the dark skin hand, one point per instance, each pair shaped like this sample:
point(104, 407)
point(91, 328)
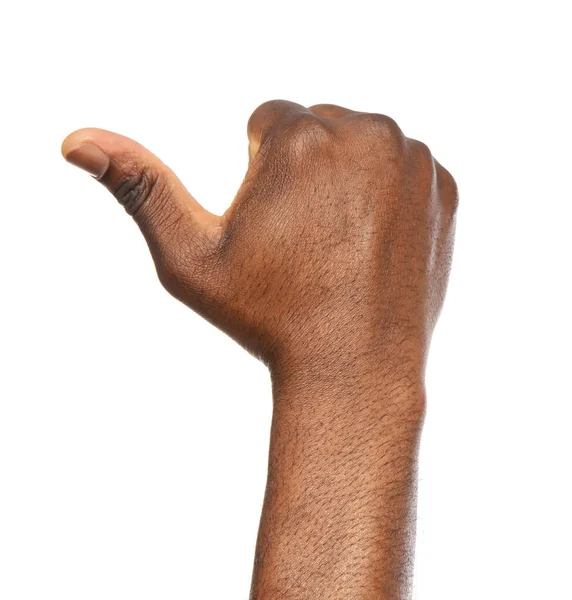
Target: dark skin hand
point(330, 266)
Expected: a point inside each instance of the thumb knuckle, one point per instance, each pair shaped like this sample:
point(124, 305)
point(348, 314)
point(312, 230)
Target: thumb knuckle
point(140, 187)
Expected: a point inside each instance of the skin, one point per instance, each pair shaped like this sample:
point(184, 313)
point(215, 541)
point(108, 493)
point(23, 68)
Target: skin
point(330, 266)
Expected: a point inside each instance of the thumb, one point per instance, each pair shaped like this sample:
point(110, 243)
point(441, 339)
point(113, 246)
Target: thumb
point(171, 220)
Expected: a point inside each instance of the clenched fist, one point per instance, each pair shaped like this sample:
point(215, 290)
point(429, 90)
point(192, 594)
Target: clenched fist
point(330, 266)
point(337, 244)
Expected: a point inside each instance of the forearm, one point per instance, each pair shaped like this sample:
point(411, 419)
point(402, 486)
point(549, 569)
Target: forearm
point(339, 514)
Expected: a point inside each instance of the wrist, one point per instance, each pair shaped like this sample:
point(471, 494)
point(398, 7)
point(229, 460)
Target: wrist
point(376, 381)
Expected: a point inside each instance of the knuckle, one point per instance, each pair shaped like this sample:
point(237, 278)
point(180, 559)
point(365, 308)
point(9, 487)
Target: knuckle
point(422, 163)
point(169, 278)
point(186, 276)
point(382, 126)
point(187, 259)
point(270, 106)
point(259, 117)
point(420, 148)
point(449, 187)
point(306, 132)
point(171, 272)
point(174, 266)
point(177, 251)
point(138, 188)
point(381, 133)
point(268, 114)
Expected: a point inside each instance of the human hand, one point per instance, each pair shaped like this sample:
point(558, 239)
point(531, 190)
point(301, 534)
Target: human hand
point(336, 248)
point(331, 266)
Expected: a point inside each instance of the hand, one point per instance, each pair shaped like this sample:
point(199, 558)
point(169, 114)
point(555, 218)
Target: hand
point(331, 266)
point(336, 247)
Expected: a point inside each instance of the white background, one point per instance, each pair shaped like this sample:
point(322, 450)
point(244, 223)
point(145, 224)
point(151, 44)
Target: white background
point(133, 436)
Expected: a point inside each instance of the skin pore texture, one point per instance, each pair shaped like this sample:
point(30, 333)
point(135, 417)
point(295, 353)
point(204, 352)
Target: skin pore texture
point(330, 266)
